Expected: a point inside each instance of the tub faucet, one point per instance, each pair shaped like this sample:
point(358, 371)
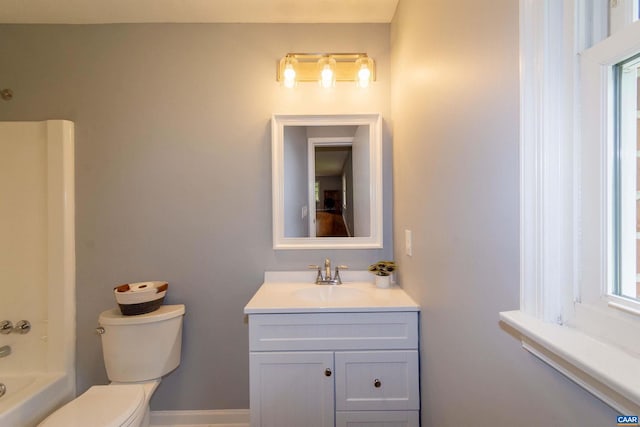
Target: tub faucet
point(5, 350)
point(327, 279)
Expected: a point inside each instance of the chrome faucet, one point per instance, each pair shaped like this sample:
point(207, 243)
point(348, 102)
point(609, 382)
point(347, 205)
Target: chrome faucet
point(327, 279)
point(5, 350)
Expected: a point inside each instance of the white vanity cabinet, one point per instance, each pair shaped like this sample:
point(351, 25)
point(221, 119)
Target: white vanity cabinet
point(355, 369)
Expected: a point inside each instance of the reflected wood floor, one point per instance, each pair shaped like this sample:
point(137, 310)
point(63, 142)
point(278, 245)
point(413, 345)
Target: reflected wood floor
point(330, 224)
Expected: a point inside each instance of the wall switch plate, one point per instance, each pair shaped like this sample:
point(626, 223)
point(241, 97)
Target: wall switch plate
point(408, 243)
point(305, 211)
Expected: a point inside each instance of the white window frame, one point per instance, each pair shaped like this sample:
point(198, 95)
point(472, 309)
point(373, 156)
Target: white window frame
point(597, 91)
point(627, 123)
point(566, 317)
point(621, 14)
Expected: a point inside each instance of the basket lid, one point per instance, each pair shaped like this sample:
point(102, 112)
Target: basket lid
point(165, 312)
point(155, 286)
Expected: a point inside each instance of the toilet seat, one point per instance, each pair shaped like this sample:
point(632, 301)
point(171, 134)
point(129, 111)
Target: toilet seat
point(102, 406)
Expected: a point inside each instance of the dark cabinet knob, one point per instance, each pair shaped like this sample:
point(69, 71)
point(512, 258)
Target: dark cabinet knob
point(377, 383)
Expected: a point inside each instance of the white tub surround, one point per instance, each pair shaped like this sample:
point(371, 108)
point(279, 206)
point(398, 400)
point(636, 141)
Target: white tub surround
point(38, 258)
point(332, 355)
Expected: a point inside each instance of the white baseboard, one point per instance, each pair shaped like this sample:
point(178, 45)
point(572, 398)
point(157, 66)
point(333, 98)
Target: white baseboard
point(212, 418)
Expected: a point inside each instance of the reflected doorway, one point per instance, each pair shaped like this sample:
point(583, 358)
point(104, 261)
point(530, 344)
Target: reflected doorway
point(331, 197)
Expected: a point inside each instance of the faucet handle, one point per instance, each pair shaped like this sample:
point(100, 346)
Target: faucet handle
point(319, 275)
point(6, 326)
point(336, 276)
point(22, 327)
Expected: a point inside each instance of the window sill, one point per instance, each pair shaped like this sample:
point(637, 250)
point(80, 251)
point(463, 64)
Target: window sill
point(608, 372)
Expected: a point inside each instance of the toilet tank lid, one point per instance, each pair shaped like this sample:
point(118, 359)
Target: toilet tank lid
point(165, 312)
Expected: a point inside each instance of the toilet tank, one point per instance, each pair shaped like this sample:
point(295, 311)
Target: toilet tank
point(142, 347)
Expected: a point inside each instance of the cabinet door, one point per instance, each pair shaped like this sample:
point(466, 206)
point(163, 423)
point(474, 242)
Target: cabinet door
point(377, 380)
point(378, 419)
point(291, 389)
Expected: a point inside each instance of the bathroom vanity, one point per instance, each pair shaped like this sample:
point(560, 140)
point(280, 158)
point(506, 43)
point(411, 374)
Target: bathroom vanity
point(332, 355)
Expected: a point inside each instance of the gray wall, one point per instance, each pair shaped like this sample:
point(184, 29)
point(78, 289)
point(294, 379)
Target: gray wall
point(173, 170)
point(455, 125)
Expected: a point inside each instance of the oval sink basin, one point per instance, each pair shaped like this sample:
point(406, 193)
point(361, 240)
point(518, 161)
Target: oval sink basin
point(329, 293)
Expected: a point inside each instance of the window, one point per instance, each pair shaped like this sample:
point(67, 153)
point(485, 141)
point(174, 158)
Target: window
point(626, 189)
point(609, 184)
point(579, 261)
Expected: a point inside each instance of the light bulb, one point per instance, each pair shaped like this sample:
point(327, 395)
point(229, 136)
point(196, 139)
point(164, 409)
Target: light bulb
point(364, 76)
point(288, 71)
point(289, 75)
point(327, 72)
point(327, 77)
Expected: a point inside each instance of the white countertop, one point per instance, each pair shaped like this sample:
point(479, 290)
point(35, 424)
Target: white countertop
point(296, 292)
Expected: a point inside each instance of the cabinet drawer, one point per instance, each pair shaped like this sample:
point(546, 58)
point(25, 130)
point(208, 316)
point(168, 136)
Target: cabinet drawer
point(377, 380)
point(377, 419)
point(333, 331)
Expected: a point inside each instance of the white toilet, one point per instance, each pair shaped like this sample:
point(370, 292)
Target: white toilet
point(138, 351)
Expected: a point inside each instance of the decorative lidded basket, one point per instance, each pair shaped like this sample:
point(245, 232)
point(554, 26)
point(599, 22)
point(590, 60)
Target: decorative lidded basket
point(141, 297)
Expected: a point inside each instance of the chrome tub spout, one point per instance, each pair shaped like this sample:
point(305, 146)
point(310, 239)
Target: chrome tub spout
point(5, 350)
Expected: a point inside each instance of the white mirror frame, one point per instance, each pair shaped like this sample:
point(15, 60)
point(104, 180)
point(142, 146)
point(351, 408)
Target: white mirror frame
point(278, 123)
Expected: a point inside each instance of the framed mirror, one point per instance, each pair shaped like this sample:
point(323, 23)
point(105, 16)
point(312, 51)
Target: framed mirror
point(327, 181)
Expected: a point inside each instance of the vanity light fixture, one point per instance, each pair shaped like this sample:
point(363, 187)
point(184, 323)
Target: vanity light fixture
point(326, 69)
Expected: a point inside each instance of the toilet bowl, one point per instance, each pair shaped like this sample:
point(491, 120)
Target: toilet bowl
point(105, 406)
point(138, 351)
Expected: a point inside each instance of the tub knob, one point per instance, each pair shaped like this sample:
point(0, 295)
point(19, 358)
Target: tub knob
point(6, 326)
point(22, 327)
point(6, 94)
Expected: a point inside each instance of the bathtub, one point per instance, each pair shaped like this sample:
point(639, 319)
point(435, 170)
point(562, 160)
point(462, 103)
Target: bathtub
point(30, 398)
